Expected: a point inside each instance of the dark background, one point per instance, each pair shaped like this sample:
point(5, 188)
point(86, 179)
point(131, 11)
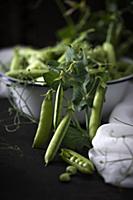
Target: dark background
point(35, 22)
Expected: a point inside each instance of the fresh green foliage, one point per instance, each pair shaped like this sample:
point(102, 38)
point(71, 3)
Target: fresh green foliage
point(76, 139)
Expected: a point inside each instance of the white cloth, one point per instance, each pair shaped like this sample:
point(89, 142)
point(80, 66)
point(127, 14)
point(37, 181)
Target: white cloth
point(112, 154)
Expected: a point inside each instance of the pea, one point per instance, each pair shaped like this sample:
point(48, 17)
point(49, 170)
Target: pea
point(37, 65)
point(71, 170)
point(72, 159)
point(84, 164)
point(77, 160)
point(81, 163)
point(65, 177)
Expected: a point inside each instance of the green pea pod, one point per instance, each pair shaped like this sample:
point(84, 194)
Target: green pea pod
point(58, 106)
point(27, 74)
point(95, 117)
point(80, 162)
point(57, 138)
point(109, 49)
point(16, 61)
point(45, 122)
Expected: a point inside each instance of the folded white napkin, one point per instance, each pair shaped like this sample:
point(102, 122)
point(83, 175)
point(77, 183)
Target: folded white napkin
point(112, 154)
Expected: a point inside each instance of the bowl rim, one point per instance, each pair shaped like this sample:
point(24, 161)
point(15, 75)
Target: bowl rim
point(122, 79)
point(9, 79)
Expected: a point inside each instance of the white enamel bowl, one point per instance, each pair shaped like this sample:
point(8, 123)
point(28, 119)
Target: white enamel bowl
point(28, 98)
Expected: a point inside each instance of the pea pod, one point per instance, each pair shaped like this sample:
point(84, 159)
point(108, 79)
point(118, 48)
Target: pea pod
point(45, 122)
point(16, 61)
point(81, 163)
point(57, 138)
point(26, 74)
point(109, 49)
point(36, 65)
point(58, 106)
point(95, 117)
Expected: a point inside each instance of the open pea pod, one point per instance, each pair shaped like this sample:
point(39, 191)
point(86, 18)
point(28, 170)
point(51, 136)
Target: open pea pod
point(75, 159)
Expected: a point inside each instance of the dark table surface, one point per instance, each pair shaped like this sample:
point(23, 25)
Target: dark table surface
point(24, 176)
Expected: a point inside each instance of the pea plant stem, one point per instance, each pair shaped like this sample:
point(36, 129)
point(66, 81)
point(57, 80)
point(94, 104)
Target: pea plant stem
point(58, 105)
point(87, 117)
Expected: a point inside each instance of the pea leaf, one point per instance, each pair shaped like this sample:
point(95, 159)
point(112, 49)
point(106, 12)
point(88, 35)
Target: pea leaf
point(76, 139)
point(50, 77)
point(77, 94)
point(70, 54)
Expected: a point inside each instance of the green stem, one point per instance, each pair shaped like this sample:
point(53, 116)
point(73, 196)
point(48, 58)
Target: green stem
point(68, 19)
point(110, 32)
point(77, 123)
point(87, 117)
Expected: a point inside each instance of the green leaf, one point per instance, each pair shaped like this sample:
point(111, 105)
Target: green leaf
point(70, 54)
point(66, 32)
point(50, 77)
point(76, 139)
point(77, 94)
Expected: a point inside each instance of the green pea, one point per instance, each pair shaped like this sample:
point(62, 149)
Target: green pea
point(84, 164)
point(80, 163)
point(77, 160)
point(72, 159)
point(71, 170)
point(65, 177)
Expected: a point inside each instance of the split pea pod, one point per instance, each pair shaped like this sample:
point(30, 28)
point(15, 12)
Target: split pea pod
point(57, 138)
point(58, 106)
point(45, 122)
point(75, 159)
point(95, 117)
